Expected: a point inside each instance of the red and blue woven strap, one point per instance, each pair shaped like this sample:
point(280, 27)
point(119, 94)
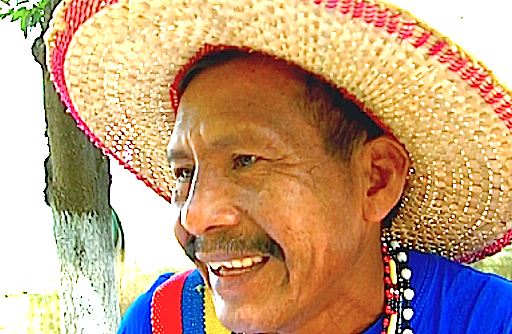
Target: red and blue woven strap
point(183, 305)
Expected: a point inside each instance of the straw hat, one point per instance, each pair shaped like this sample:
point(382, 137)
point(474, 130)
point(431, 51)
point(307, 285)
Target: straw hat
point(115, 65)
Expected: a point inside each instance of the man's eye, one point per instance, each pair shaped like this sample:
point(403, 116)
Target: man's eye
point(241, 161)
point(183, 174)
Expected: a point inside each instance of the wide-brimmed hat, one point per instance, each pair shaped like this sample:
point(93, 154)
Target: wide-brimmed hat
point(116, 64)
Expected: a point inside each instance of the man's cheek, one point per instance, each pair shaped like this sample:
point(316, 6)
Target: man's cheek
point(181, 234)
point(204, 273)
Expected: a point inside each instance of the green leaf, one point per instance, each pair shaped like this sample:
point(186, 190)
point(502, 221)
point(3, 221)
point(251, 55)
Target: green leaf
point(23, 25)
point(29, 18)
point(42, 4)
point(4, 15)
point(6, 2)
point(19, 14)
point(37, 17)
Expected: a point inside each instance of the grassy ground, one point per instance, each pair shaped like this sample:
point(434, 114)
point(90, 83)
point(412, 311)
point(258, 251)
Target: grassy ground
point(499, 264)
point(25, 313)
point(29, 313)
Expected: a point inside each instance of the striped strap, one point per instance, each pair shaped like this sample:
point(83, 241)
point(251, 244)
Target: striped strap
point(182, 305)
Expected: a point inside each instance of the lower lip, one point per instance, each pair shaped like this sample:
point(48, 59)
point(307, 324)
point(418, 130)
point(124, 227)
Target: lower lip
point(239, 284)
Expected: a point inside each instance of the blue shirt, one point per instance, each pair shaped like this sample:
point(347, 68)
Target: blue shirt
point(449, 299)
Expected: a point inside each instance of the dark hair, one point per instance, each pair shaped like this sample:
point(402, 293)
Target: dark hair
point(342, 123)
point(210, 60)
point(340, 120)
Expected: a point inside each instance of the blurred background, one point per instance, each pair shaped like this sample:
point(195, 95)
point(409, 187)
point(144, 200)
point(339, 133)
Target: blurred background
point(29, 268)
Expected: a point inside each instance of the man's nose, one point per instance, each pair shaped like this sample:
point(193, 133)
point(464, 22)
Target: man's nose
point(210, 204)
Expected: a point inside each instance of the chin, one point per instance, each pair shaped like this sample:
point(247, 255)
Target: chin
point(246, 319)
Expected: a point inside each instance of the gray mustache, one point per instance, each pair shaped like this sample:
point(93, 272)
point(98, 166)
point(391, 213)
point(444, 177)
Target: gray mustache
point(233, 244)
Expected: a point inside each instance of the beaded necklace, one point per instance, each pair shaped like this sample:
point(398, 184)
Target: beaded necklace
point(398, 290)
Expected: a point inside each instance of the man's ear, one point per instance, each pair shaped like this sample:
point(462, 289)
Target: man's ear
point(385, 165)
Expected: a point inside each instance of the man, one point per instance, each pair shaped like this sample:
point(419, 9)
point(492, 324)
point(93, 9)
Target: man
point(313, 151)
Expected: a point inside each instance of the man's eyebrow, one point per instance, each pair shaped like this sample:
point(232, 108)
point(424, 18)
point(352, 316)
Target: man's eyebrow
point(180, 154)
point(177, 154)
point(250, 135)
point(224, 142)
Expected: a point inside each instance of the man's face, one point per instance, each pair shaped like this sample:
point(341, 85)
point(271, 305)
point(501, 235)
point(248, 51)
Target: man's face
point(257, 192)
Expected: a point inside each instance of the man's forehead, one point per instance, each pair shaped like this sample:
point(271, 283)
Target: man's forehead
point(227, 133)
point(239, 85)
point(244, 67)
point(244, 96)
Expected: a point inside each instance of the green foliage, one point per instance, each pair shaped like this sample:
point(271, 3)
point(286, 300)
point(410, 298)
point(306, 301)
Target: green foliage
point(29, 15)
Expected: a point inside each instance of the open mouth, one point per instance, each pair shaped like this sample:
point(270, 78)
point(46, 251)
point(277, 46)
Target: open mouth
point(237, 266)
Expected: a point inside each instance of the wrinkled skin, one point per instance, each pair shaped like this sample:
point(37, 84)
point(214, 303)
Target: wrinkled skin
point(249, 167)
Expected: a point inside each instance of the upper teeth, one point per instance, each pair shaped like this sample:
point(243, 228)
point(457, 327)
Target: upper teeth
point(237, 263)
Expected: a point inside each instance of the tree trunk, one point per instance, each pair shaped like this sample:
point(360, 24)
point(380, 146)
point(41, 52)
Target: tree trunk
point(88, 287)
point(78, 184)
